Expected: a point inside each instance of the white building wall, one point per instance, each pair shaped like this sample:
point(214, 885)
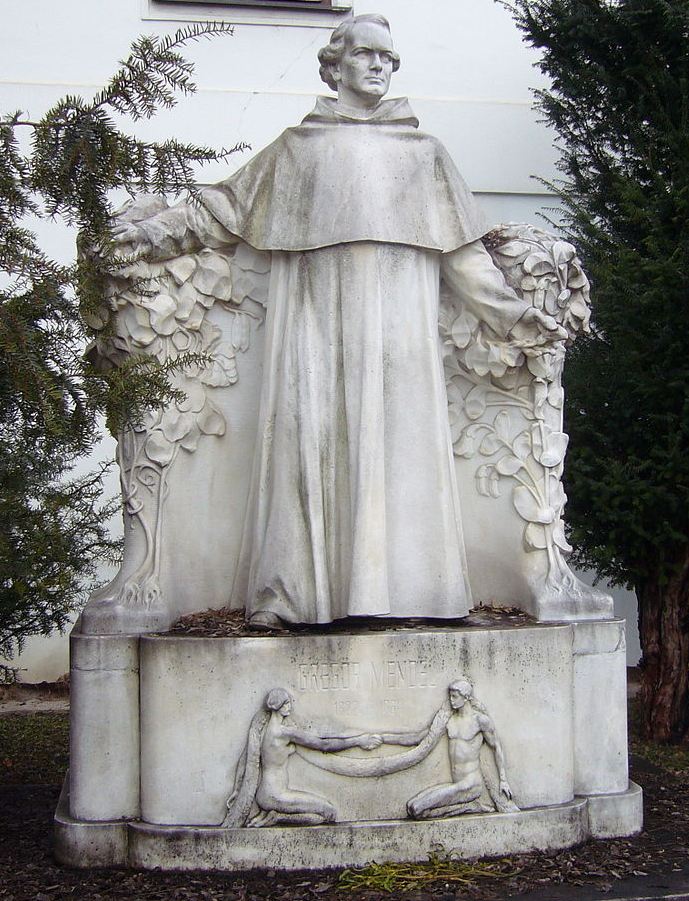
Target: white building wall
point(464, 67)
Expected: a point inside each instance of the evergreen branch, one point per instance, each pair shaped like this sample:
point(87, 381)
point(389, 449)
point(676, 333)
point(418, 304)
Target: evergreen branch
point(50, 397)
point(152, 72)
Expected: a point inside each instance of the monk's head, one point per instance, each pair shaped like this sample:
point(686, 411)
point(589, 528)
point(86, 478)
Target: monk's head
point(359, 60)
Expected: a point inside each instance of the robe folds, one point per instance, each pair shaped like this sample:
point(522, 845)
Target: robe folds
point(354, 510)
point(353, 507)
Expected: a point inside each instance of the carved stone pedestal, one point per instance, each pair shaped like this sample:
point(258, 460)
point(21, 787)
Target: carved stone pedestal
point(369, 726)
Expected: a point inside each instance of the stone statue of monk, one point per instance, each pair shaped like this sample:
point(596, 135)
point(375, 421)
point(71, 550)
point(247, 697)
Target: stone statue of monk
point(353, 508)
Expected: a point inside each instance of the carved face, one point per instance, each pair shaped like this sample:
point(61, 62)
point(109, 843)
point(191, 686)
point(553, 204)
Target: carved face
point(363, 74)
point(286, 708)
point(457, 699)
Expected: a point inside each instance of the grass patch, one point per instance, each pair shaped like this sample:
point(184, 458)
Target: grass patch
point(440, 867)
point(34, 748)
point(668, 757)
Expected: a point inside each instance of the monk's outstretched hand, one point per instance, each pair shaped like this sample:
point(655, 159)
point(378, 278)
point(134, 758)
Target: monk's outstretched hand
point(535, 328)
point(131, 240)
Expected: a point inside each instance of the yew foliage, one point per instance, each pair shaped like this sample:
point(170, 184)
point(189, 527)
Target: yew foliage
point(64, 166)
point(619, 101)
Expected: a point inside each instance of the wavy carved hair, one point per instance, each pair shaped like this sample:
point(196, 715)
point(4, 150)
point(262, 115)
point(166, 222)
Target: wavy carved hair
point(465, 687)
point(276, 698)
point(331, 54)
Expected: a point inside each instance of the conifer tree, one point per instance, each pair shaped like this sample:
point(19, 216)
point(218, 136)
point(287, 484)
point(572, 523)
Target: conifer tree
point(619, 102)
point(54, 525)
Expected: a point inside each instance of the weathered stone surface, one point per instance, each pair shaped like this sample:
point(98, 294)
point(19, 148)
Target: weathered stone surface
point(616, 814)
point(104, 726)
point(198, 848)
point(600, 716)
point(200, 696)
point(390, 445)
point(382, 387)
point(79, 843)
point(355, 844)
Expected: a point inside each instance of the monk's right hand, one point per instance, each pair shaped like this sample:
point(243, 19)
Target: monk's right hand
point(131, 240)
point(369, 742)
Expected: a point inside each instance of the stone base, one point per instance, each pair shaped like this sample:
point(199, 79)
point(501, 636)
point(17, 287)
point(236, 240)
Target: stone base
point(145, 846)
point(109, 617)
point(83, 843)
point(160, 725)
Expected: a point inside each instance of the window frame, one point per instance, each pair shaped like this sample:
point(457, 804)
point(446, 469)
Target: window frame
point(327, 6)
point(299, 13)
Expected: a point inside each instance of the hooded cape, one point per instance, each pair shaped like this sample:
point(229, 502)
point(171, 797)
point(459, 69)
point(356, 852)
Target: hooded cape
point(337, 179)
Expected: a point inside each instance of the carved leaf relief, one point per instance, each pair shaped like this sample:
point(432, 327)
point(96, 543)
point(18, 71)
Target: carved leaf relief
point(509, 465)
point(529, 508)
point(158, 449)
point(523, 440)
point(160, 309)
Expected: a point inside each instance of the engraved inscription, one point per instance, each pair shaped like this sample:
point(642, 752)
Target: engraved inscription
point(401, 674)
point(346, 708)
point(342, 676)
point(350, 675)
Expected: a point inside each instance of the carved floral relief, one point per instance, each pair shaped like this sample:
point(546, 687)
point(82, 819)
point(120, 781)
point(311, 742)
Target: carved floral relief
point(160, 311)
point(505, 400)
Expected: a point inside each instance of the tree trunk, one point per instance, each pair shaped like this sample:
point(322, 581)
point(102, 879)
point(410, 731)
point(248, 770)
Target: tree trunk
point(664, 633)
